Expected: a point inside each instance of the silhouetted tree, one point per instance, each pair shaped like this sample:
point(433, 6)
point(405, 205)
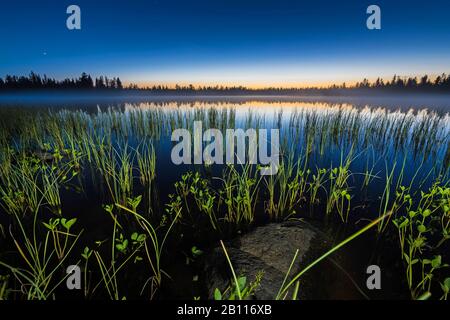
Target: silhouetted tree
point(119, 84)
point(34, 81)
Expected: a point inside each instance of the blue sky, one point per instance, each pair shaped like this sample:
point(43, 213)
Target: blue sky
point(254, 43)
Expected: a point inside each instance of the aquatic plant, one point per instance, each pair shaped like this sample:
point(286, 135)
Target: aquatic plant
point(417, 231)
point(146, 160)
point(40, 274)
point(156, 243)
point(194, 189)
point(240, 193)
point(110, 155)
point(4, 289)
point(286, 189)
point(60, 231)
point(117, 170)
point(339, 192)
point(239, 288)
point(317, 184)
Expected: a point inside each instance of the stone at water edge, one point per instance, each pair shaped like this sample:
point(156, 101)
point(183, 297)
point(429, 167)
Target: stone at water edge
point(270, 249)
point(44, 156)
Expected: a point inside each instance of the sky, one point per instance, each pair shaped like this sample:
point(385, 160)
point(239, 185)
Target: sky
point(227, 42)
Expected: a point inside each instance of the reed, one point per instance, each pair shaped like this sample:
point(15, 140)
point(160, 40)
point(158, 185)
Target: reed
point(286, 190)
point(116, 167)
point(155, 245)
point(339, 191)
point(43, 152)
point(146, 159)
point(425, 222)
point(196, 190)
point(43, 260)
point(240, 194)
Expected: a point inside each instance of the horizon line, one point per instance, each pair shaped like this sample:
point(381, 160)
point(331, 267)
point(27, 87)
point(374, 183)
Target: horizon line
point(318, 85)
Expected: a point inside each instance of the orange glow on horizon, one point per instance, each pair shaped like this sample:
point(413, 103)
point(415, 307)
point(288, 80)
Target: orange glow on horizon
point(268, 83)
point(262, 85)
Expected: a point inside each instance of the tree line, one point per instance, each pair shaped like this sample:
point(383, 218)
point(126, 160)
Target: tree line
point(441, 82)
point(35, 81)
point(425, 83)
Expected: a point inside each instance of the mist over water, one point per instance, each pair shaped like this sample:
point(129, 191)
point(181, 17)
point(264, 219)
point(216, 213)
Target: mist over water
point(436, 102)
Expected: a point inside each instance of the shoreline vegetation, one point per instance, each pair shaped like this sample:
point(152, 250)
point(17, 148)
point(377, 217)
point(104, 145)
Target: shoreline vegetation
point(397, 85)
point(136, 229)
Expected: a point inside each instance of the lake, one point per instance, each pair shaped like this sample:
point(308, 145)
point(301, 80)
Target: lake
point(107, 162)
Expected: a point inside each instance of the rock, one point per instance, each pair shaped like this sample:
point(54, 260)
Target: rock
point(271, 249)
point(44, 156)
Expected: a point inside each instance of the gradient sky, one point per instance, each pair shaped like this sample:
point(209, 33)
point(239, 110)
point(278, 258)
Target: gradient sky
point(255, 43)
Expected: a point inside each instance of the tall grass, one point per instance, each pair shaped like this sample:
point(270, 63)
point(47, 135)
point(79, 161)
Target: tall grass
point(41, 270)
point(339, 191)
point(42, 153)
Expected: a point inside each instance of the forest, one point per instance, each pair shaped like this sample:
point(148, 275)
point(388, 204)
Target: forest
point(423, 84)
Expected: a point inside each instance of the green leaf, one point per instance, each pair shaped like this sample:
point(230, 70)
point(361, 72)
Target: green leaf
point(406, 257)
point(69, 224)
point(436, 262)
point(217, 294)
point(426, 213)
point(421, 228)
point(122, 246)
point(196, 252)
point(419, 242)
point(425, 296)
point(86, 253)
point(241, 282)
point(445, 286)
point(48, 226)
point(404, 223)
